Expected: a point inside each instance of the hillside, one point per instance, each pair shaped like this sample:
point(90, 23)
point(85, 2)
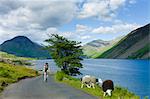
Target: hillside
point(4, 55)
point(96, 47)
point(135, 45)
point(24, 47)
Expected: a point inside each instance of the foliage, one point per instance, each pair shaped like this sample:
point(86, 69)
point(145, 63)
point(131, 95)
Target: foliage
point(146, 97)
point(59, 75)
point(67, 54)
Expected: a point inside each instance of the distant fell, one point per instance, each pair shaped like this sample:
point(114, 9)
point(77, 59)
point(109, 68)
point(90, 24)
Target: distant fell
point(24, 47)
point(96, 47)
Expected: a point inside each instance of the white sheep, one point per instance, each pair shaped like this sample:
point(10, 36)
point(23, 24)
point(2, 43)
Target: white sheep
point(90, 81)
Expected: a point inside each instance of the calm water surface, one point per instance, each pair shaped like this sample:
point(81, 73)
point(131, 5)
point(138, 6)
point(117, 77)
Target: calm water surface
point(131, 74)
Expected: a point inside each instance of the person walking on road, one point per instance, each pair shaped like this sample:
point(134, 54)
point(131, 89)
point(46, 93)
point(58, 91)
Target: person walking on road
point(45, 69)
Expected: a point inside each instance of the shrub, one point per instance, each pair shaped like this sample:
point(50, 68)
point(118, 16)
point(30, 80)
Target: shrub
point(146, 97)
point(60, 75)
point(4, 72)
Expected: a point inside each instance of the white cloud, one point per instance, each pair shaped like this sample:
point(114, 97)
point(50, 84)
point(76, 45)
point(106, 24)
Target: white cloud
point(132, 1)
point(33, 18)
point(117, 28)
point(85, 37)
point(104, 10)
point(97, 8)
point(82, 28)
point(115, 4)
point(42, 13)
point(53, 30)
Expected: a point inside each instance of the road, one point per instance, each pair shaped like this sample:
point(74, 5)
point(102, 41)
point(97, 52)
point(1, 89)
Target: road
point(36, 88)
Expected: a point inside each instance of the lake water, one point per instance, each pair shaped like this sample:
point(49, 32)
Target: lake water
point(131, 74)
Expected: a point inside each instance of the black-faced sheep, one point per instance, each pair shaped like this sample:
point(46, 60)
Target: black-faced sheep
point(89, 81)
point(107, 87)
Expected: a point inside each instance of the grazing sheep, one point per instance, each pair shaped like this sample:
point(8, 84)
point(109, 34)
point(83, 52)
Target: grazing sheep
point(89, 81)
point(107, 87)
point(85, 81)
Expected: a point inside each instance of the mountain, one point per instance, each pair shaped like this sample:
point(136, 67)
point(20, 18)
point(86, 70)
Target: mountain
point(135, 45)
point(98, 43)
point(96, 47)
point(24, 47)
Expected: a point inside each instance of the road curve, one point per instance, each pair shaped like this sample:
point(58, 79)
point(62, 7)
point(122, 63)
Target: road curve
point(36, 88)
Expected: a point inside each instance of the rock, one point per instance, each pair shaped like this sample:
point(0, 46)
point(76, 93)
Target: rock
point(4, 84)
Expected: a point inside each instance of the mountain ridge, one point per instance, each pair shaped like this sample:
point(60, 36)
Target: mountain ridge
point(94, 48)
point(134, 45)
point(24, 47)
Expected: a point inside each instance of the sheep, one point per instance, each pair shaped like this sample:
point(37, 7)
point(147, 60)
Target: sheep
point(89, 81)
point(107, 87)
point(85, 80)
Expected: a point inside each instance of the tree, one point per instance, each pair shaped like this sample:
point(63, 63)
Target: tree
point(67, 54)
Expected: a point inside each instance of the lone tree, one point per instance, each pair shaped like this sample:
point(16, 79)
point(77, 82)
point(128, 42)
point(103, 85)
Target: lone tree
point(67, 54)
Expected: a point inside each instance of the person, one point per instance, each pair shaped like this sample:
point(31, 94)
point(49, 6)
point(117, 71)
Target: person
point(45, 69)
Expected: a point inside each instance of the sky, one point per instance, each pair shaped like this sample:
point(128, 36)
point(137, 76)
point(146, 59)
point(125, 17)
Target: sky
point(80, 20)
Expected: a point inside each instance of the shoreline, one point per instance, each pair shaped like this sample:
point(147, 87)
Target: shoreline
point(125, 87)
point(118, 93)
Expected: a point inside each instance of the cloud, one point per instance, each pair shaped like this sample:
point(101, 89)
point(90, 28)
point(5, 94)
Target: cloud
point(37, 18)
point(132, 1)
point(117, 28)
point(115, 4)
point(33, 17)
point(86, 37)
point(104, 10)
point(82, 28)
point(7, 5)
point(41, 14)
point(67, 34)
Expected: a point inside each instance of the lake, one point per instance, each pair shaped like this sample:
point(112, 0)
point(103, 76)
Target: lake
point(130, 74)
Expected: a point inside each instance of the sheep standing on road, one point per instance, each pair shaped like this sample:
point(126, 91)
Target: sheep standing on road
point(107, 87)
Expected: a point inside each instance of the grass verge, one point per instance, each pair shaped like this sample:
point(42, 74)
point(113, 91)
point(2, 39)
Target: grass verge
point(10, 74)
point(118, 93)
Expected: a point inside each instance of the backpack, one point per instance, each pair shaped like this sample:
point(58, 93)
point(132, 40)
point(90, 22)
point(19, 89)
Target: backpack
point(46, 68)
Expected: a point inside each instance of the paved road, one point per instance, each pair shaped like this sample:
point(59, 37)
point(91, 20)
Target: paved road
point(35, 88)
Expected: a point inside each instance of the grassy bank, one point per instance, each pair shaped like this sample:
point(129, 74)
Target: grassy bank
point(15, 60)
point(118, 93)
point(10, 74)
point(13, 57)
